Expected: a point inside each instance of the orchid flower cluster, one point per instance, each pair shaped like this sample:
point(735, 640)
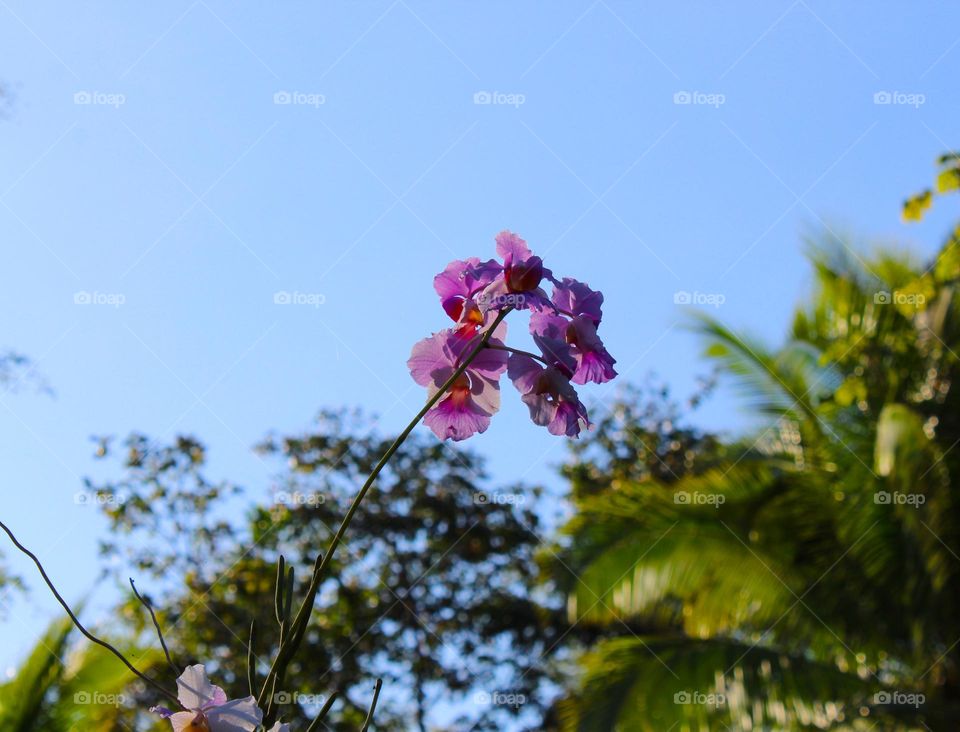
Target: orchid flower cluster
point(472, 354)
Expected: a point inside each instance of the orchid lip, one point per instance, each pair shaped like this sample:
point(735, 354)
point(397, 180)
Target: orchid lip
point(525, 276)
point(459, 391)
point(453, 307)
point(198, 723)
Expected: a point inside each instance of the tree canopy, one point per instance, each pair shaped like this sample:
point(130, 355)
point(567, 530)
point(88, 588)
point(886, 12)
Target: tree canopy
point(805, 577)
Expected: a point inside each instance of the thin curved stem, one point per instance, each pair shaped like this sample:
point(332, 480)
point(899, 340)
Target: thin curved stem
point(299, 625)
point(156, 624)
point(373, 706)
point(518, 351)
point(76, 621)
point(252, 658)
point(318, 720)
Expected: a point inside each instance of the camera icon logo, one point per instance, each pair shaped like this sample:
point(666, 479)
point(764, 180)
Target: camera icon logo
point(81, 697)
point(681, 498)
point(882, 97)
point(682, 97)
point(281, 297)
point(283, 697)
point(682, 297)
point(82, 97)
point(282, 97)
point(882, 297)
point(482, 97)
point(82, 298)
point(481, 499)
point(882, 498)
point(682, 697)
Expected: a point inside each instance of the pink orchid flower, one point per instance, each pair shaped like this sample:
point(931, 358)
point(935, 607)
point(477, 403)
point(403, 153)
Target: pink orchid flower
point(208, 709)
point(476, 293)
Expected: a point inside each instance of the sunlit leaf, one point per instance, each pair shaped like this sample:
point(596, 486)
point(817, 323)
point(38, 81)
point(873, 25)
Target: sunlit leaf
point(916, 206)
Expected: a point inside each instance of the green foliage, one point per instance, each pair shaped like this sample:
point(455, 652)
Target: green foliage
point(432, 590)
point(59, 690)
point(638, 684)
point(807, 576)
point(16, 373)
point(948, 180)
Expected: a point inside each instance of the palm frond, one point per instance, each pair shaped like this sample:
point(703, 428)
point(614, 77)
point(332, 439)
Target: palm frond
point(23, 697)
point(648, 684)
point(786, 384)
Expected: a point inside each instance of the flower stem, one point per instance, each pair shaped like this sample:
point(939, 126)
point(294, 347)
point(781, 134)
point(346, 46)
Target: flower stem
point(519, 352)
point(76, 621)
point(373, 706)
point(156, 624)
point(299, 626)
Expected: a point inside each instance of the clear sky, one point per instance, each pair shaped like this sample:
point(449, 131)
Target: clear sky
point(147, 160)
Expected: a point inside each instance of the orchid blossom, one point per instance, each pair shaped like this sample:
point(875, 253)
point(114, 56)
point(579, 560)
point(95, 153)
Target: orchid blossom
point(207, 708)
point(563, 326)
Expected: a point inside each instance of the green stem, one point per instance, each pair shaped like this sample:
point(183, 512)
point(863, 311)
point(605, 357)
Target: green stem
point(519, 352)
point(299, 626)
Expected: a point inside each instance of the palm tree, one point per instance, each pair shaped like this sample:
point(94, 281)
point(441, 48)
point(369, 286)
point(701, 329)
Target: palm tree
point(807, 578)
point(56, 690)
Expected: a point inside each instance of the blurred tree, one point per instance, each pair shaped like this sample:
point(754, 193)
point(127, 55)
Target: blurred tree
point(642, 436)
point(16, 372)
point(6, 100)
point(56, 690)
point(808, 578)
point(433, 590)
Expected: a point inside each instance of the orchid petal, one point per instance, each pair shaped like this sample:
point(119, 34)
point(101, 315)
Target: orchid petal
point(238, 715)
point(428, 356)
point(576, 298)
point(195, 691)
point(184, 721)
point(452, 421)
point(511, 247)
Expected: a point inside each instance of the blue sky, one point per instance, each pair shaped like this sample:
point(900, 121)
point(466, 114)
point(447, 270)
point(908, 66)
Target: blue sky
point(148, 161)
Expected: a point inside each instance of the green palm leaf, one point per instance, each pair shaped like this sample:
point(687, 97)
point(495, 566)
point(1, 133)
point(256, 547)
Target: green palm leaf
point(655, 684)
point(23, 698)
point(55, 690)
